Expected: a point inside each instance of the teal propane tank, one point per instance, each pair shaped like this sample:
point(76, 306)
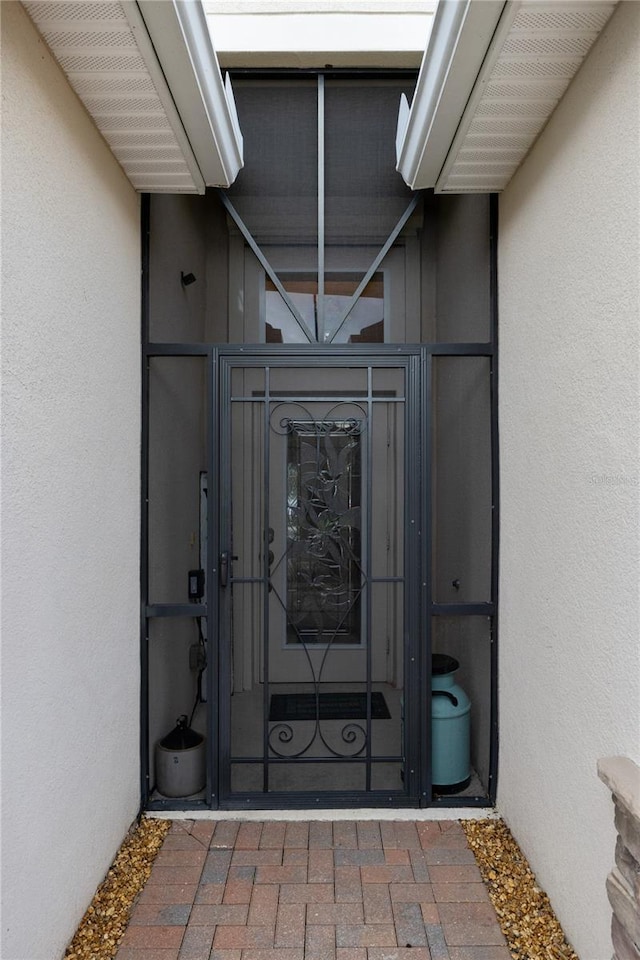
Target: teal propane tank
point(450, 727)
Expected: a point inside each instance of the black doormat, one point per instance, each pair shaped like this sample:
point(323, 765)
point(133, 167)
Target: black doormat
point(333, 706)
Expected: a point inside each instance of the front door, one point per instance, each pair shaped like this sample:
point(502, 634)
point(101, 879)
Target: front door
point(319, 569)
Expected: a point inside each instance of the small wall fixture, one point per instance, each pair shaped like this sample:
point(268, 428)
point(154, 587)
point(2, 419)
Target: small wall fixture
point(187, 278)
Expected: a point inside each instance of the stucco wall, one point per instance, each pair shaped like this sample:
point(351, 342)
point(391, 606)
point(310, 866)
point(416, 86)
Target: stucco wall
point(569, 308)
point(70, 484)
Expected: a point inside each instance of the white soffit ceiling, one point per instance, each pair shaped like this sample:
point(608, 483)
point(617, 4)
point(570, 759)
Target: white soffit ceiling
point(319, 33)
point(108, 56)
point(534, 54)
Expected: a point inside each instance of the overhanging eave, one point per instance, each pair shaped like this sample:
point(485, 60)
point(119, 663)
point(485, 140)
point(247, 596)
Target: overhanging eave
point(491, 77)
point(181, 39)
point(457, 46)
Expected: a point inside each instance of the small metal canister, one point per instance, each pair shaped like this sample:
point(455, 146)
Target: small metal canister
point(450, 728)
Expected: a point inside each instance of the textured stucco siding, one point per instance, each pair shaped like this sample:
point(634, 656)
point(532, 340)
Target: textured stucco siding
point(70, 486)
point(569, 282)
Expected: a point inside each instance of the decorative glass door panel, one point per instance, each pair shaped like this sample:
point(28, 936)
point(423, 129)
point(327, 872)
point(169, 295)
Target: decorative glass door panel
point(323, 531)
point(313, 574)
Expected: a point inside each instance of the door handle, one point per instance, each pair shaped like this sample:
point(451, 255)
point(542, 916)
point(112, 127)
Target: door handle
point(226, 569)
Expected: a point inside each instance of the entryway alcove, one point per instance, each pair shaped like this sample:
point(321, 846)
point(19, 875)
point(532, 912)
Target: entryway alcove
point(320, 442)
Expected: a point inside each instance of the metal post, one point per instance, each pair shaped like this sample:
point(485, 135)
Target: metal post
point(320, 319)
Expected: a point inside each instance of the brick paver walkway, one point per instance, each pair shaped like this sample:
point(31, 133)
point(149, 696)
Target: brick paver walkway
point(346, 890)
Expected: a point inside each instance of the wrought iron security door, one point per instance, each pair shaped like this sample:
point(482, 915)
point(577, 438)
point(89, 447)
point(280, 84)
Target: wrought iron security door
point(318, 573)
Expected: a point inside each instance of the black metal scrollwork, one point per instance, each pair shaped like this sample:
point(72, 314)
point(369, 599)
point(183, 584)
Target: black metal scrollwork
point(324, 574)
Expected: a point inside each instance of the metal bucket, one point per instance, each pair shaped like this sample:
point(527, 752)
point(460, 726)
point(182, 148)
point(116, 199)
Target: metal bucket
point(450, 728)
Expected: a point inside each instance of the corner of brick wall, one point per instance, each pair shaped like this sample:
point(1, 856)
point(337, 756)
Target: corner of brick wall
point(622, 776)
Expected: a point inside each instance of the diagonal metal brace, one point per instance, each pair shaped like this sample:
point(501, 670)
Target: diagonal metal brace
point(376, 263)
point(295, 313)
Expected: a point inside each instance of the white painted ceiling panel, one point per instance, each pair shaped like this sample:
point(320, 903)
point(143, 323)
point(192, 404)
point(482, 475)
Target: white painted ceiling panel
point(147, 73)
point(536, 51)
point(95, 45)
point(313, 33)
point(506, 67)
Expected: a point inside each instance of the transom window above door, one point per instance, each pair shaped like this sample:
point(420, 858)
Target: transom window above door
point(364, 324)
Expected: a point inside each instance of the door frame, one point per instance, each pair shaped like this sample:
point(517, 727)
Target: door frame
point(414, 653)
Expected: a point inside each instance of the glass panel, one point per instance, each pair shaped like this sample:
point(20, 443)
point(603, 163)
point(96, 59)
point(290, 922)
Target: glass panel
point(364, 324)
point(177, 455)
point(175, 687)
point(281, 326)
point(468, 641)
point(462, 512)
point(324, 561)
point(315, 503)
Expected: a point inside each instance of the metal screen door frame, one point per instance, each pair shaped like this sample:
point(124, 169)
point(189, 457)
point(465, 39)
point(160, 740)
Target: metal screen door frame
point(415, 645)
